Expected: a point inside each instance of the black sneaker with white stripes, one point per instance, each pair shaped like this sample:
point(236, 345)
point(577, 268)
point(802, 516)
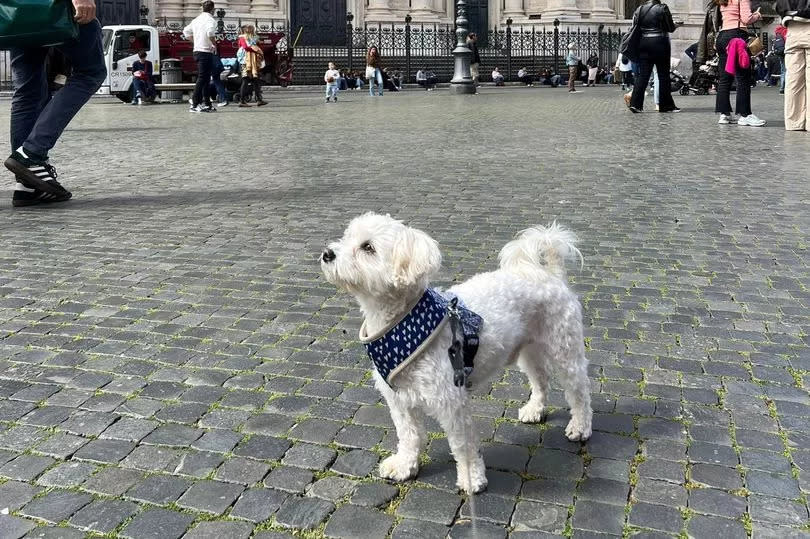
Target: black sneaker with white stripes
point(34, 173)
point(32, 198)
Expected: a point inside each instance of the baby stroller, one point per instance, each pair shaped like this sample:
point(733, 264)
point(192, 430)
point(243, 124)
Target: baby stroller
point(703, 78)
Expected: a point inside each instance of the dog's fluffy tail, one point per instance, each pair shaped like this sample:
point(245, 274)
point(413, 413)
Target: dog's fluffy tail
point(539, 251)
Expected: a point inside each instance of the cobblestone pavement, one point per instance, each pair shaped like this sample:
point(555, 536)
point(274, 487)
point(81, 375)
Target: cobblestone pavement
point(172, 363)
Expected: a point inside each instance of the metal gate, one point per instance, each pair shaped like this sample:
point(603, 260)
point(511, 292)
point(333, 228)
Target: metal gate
point(323, 21)
point(111, 12)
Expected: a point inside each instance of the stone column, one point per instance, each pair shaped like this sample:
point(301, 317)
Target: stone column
point(192, 9)
point(378, 10)
point(171, 9)
point(263, 8)
point(561, 9)
point(422, 10)
point(514, 8)
point(602, 10)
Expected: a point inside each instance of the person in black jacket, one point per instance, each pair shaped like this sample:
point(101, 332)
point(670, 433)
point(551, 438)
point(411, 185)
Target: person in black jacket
point(655, 23)
point(475, 59)
point(796, 16)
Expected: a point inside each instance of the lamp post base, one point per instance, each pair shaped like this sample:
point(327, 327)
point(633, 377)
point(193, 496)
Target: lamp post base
point(462, 88)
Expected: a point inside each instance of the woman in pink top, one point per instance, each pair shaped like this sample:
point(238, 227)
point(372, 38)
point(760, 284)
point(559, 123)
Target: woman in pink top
point(736, 16)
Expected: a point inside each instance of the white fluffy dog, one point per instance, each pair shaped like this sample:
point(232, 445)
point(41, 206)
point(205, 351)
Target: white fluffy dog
point(530, 317)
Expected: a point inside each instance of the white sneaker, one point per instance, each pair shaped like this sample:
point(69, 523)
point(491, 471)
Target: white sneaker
point(140, 101)
point(751, 121)
point(728, 119)
point(222, 104)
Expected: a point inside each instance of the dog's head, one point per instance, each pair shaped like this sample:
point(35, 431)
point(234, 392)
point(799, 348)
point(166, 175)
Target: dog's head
point(379, 256)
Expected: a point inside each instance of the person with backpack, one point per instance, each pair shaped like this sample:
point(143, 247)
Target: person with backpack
point(780, 33)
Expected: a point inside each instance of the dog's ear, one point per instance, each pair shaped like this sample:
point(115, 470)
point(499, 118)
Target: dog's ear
point(415, 256)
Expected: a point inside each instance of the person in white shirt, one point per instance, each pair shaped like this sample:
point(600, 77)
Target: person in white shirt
point(497, 77)
point(332, 79)
point(203, 29)
point(626, 69)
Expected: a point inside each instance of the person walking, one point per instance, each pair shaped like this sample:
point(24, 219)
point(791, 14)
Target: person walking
point(736, 14)
point(331, 78)
point(475, 59)
point(572, 61)
point(626, 71)
point(250, 56)
point(373, 73)
point(796, 17)
point(593, 68)
point(654, 49)
point(202, 30)
point(36, 121)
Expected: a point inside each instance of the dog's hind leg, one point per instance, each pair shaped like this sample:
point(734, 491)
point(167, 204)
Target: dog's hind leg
point(410, 434)
point(532, 362)
point(573, 373)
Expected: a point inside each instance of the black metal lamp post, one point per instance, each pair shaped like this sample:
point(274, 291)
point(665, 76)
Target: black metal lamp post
point(408, 20)
point(350, 39)
point(556, 46)
point(599, 42)
point(144, 11)
point(509, 49)
point(462, 82)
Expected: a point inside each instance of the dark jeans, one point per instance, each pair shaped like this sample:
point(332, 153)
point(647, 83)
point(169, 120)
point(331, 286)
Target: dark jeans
point(653, 51)
point(250, 85)
point(205, 66)
point(216, 80)
point(37, 122)
point(743, 76)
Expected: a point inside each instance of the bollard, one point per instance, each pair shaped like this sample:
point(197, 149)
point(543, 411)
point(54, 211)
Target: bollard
point(171, 73)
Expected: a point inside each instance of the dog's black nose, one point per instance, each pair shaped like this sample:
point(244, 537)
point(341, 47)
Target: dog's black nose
point(328, 256)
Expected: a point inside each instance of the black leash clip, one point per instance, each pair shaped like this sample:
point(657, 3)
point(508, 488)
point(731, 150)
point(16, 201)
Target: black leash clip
point(460, 372)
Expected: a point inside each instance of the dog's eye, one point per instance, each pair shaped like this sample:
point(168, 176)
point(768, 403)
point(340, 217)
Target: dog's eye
point(367, 247)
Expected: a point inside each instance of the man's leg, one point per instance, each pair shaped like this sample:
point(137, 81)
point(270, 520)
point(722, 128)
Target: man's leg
point(198, 86)
point(30, 92)
point(205, 75)
point(87, 59)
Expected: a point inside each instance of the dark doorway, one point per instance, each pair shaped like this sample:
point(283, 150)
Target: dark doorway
point(118, 12)
point(323, 21)
point(478, 17)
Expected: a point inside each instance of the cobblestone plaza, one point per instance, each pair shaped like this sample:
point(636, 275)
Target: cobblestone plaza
point(172, 363)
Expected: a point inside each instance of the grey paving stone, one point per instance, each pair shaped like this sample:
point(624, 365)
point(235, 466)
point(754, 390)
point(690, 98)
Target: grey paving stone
point(352, 521)
point(103, 516)
point(703, 526)
point(431, 505)
point(489, 507)
point(152, 458)
point(717, 502)
point(105, 451)
point(777, 510)
point(355, 463)
point(129, 429)
point(14, 494)
point(419, 529)
point(13, 527)
point(241, 470)
point(661, 492)
point(210, 496)
point(310, 456)
point(657, 517)
point(220, 441)
point(303, 513)
point(603, 490)
point(112, 481)
point(333, 489)
point(768, 484)
point(88, 423)
point(531, 516)
point(465, 529)
point(61, 445)
point(173, 435)
point(67, 474)
point(262, 448)
point(56, 506)
point(599, 517)
point(258, 504)
point(548, 490)
point(218, 530)
point(197, 463)
point(157, 524)
point(717, 476)
point(554, 464)
point(288, 479)
point(374, 494)
point(158, 489)
point(319, 431)
point(25, 467)
point(49, 532)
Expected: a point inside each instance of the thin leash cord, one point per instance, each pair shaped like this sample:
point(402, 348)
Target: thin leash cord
point(470, 494)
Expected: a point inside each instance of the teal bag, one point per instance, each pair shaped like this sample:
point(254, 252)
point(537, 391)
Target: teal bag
point(36, 23)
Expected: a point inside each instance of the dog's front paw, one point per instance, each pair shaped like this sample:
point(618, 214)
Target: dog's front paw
point(398, 468)
point(531, 413)
point(578, 430)
point(475, 481)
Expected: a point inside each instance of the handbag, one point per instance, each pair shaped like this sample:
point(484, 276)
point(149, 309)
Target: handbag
point(370, 71)
point(755, 45)
point(630, 42)
point(36, 23)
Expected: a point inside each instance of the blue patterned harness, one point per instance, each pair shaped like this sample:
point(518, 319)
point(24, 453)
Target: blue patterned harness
point(394, 348)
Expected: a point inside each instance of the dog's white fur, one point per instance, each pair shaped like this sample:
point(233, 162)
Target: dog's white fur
point(530, 315)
